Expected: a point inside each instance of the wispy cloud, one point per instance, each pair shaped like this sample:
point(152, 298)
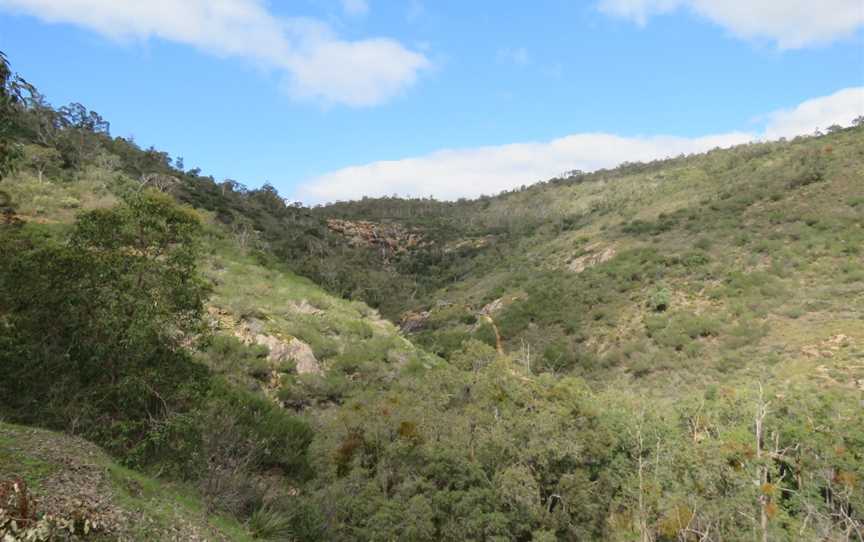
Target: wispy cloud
point(792, 24)
point(455, 173)
point(318, 65)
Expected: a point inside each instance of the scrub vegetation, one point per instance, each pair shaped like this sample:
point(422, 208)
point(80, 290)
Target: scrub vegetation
point(665, 351)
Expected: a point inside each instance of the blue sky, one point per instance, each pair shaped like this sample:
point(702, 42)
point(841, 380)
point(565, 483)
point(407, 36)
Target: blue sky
point(334, 99)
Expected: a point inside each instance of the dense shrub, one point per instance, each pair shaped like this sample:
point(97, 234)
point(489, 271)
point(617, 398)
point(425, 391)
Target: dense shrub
point(660, 300)
point(227, 354)
point(808, 169)
point(95, 338)
point(103, 343)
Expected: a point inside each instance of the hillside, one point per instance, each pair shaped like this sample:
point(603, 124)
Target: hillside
point(67, 484)
point(267, 330)
point(687, 281)
point(666, 273)
point(665, 351)
point(176, 341)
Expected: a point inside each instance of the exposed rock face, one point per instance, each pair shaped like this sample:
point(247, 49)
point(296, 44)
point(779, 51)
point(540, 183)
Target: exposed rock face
point(595, 254)
point(491, 308)
point(389, 238)
point(295, 349)
point(413, 321)
point(494, 307)
point(251, 331)
point(302, 354)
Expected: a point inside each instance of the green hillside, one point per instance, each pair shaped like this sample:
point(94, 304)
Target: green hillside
point(685, 270)
point(64, 484)
point(669, 289)
point(670, 351)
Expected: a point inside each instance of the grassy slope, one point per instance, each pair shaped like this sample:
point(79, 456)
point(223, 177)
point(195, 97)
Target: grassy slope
point(294, 306)
point(354, 346)
point(347, 337)
point(71, 477)
point(244, 286)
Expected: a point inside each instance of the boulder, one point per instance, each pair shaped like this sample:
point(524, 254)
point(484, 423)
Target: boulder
point(295, 349)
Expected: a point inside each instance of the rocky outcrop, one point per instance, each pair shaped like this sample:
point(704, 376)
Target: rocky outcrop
point(252, 331)
point(491, 308)
point(303, 356)
point(389, 238)
point(827, 348)
point(494, 307)
point(594, 255)
point(286, 350)
point(413, 321)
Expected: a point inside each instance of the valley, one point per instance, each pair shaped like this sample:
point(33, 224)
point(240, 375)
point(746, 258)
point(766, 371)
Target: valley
point(663, 351)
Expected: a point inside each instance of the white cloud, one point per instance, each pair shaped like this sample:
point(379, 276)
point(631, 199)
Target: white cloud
point(792, 24)
point(455, 173)
point(329, 70)
point(355, 7)
point(317, 64)
point(451, 174)
point(840, 108)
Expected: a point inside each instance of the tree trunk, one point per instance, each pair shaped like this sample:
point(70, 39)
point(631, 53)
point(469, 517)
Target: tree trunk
point(761, 412)
point(644, 535)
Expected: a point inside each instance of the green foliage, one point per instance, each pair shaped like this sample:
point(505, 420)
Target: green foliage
point(53, 465)
point(445, 343)
point(12, 89)
point(809, 169)
point(280, 439)
point(682, 266)
point(514, 456)
point(311, 389)
point(474, 355)
point(660, 300)
point(269, 523)
point(43, 160)
point(228, 355)
point(640, 227)
point(116, 300)
point(679, 330)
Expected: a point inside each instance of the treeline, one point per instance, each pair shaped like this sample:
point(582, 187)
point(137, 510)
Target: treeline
point(63, 142)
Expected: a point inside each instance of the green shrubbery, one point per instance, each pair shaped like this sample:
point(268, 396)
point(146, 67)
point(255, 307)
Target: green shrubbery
point(808, 169)
point(660, 300)
point(102, 319)
point(545, 458)
point(97, 326)
point(228, 355)
point(114, 303)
